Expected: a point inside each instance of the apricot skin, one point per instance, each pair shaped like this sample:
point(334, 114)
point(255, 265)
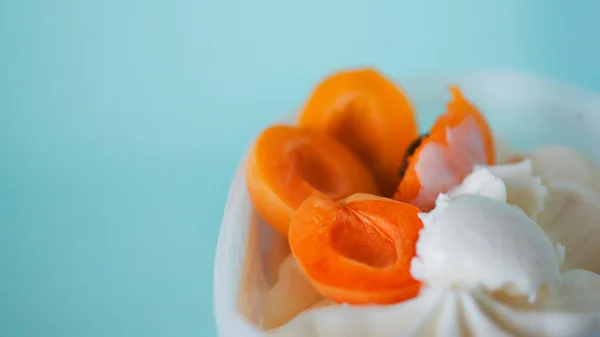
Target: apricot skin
point(288, 164)
point(420, 184)
point(370, 115)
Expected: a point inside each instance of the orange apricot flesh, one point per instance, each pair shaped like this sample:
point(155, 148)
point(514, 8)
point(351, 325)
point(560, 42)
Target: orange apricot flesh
point(458, 140)
point(358, 250)
point(369, 114)
point(288, 164)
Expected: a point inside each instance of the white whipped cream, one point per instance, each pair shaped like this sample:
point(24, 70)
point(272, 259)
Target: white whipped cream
point(511, 183)
point(481, 246)
point(523, 189)
point(562, 163)
point(574, 310)
point(572, 218)
point(481, 182)
point(474, 241)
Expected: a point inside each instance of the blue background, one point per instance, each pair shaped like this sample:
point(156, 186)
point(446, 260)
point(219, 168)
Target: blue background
point(122, 122)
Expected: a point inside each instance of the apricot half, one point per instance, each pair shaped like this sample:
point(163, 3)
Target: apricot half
point(370, 115)
point(289, 164)
point(358, 250)
point(458, 140)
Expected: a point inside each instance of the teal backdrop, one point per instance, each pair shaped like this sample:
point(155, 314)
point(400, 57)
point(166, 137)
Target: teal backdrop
point(122, 122)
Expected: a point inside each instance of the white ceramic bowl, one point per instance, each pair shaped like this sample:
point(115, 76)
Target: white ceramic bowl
point(525, 109)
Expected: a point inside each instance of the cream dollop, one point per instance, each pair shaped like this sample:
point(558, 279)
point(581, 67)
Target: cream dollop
point(572, 218)
point(523, 189)
point(511, 183)
point(562, 163)
point(574, 310)
point(474, 241)
point(481, 182)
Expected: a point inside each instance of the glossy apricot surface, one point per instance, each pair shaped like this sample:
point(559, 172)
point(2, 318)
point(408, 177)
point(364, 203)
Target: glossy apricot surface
point(288, 164)
point(358, 250)
point(368, 113)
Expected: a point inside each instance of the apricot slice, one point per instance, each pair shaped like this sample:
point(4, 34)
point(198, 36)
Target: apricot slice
point(358, 250)
point(289, 164)
point(458, 140)
point(370, 115)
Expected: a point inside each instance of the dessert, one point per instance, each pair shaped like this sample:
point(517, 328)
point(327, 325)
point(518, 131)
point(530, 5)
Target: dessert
point(477, 240)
